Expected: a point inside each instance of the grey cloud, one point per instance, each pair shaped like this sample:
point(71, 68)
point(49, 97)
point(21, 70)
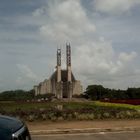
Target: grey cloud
point(115, 6)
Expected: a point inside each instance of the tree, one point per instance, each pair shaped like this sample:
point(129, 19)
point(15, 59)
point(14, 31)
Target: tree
point(17, 95)
point(95, 92)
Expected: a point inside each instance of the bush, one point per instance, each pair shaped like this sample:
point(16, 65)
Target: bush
point(106, 115)
point(31, 118)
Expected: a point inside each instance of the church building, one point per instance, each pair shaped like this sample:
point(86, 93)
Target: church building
point(62, 82)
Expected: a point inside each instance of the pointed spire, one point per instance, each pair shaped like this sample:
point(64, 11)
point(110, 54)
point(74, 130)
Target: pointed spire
point(68, 52)
point(58, 57)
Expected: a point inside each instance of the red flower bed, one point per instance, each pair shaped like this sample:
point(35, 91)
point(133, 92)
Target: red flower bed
point(128, 101)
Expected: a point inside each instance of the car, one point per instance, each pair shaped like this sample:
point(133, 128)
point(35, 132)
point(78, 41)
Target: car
point(13, 129)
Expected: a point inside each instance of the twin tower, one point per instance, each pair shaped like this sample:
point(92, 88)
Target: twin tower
point(62, 82)
point(64, 88)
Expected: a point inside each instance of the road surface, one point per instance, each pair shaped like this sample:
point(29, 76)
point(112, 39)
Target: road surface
point(88, 136)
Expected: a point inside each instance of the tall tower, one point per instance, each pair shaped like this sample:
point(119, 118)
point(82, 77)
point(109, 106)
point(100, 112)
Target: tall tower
point(59, 82)
point(58, 65)
point(68, 52)
point(69, 73)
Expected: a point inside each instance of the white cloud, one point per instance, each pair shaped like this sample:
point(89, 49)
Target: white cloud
point(98, 63)
point(89, 58)
point(94, 59)
point(27, 72)
point(67, 21)
point(127, 57)
point(114, 6)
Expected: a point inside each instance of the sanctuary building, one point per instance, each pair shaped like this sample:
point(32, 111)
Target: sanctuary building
point(62, 82)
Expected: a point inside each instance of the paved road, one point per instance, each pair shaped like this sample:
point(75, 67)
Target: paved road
point(86, 136)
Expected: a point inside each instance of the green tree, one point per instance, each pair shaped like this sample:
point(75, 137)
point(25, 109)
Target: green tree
point(95, 92)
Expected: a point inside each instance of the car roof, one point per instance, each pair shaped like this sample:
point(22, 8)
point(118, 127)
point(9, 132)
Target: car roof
point(9, 124)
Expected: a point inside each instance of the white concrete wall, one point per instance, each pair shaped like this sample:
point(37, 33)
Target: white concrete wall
point(48, 86)
point(69, 73)
point(77, 88)
point(58, 73)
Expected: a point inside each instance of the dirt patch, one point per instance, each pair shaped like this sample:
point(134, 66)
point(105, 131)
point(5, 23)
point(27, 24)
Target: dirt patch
point(46, 125)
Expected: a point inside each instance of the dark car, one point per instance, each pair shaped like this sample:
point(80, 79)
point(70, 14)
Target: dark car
point(13, 129)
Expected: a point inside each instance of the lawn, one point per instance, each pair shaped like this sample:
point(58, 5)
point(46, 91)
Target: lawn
point(118, 105)
point(9, 106)
point(26, 106)
point(69, 110)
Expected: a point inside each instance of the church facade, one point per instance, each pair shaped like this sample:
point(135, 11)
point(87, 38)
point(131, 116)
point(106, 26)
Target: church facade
point(62, 82)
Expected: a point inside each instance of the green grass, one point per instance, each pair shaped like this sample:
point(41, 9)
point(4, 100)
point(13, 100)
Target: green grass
point(26, 106)
point(70, 110)
point(116, 105)
point(98, 104)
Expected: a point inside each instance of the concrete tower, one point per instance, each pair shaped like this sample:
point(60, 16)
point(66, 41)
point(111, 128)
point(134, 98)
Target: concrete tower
point(59, 82)
point(68, 58)
point(69, 72)
point(58, 65)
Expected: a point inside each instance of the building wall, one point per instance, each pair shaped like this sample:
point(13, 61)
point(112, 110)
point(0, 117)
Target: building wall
point(77, 88)
point(53, 87)
point(49, 86)
point(42, 88)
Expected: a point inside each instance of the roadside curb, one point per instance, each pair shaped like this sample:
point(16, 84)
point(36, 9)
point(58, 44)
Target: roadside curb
point(86, 130)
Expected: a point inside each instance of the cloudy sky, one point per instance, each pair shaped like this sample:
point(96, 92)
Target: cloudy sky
point(104, 36)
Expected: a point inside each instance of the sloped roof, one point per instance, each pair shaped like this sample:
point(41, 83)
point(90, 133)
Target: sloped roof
point(63, 76)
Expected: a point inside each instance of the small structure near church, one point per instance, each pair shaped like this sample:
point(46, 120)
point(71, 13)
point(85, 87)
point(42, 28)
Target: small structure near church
point(62, 83)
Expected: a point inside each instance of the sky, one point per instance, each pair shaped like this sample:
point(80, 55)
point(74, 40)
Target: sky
point(104, 37)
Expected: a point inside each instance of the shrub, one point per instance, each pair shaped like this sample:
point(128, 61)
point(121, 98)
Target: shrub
point(106, 115)
point(44, 116)
point(31, 118)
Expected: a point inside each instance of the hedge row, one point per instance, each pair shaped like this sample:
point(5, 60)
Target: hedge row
point(58, 114)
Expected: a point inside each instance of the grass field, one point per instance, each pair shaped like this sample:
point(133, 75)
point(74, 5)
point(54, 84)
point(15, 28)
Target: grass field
point(25, 106)
point(69, 110)
point(12, 106)
point(117, 105)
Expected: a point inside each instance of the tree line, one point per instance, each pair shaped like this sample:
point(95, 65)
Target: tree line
point(98, 92)
point(16, 95)
point(93, 92)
